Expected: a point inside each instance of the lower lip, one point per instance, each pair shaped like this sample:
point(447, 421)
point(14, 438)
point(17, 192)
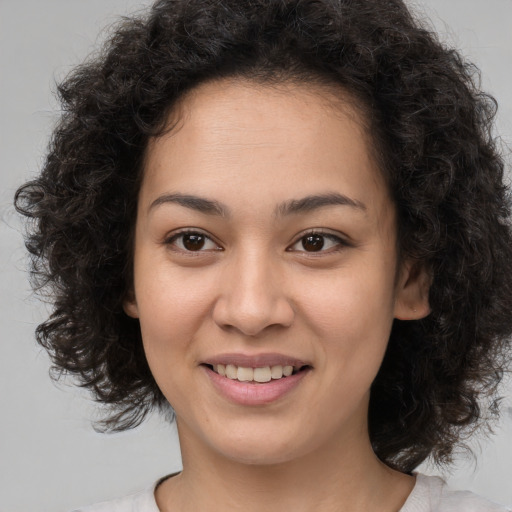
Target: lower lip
point(254, 393)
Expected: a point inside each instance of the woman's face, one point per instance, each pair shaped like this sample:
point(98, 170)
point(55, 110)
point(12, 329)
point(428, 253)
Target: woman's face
point(265, 239)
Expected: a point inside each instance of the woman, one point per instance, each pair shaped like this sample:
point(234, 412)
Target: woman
point(287, 221)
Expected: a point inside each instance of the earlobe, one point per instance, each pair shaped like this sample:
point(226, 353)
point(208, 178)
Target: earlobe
point(411, 302)
point(130, 305)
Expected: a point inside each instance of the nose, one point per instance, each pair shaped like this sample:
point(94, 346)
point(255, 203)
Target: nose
point(252, 297)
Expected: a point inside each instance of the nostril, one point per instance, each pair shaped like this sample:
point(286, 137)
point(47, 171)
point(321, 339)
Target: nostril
point(251, 313)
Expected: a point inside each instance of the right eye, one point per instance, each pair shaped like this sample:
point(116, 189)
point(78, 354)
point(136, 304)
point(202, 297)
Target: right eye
point(192, 241)
point(319, 242)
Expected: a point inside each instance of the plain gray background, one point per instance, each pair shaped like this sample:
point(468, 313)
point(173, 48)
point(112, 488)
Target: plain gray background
point(50, 458)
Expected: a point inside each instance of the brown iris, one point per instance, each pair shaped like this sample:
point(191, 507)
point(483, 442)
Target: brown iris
point(313, 243)
point(193, 241)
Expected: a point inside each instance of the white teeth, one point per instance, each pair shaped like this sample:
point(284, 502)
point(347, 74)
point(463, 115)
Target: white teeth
point(276, 372)
point(231, 371)
point(245, 374)
point(262, 374)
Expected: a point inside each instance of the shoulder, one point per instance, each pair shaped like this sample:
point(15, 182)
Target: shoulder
point(142, 501)
point(431, 494)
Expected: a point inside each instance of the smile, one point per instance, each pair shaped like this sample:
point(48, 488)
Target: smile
point(259, 375)
point(255, 379)
point(251, 392)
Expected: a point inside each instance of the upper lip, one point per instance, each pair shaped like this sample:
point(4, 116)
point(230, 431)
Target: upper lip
point(255, 360)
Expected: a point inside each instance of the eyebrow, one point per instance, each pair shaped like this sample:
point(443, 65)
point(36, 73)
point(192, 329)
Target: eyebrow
point(200, 204)
point(313, 202)
point(292, 207)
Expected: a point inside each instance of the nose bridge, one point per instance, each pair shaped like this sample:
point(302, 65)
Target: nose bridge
point(251, 294)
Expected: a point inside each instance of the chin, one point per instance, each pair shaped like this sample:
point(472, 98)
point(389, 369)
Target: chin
point(261, 449)
point(258, 458)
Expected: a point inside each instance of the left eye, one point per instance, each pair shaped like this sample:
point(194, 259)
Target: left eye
point(192, 241)
point(317, 242)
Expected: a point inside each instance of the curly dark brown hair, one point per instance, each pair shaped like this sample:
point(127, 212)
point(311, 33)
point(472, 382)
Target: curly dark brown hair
point(432, 131)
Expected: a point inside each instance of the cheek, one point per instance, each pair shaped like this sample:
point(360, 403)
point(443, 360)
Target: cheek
point(350, 299)
point(352, 312)
point(171, 312)
point(172, 306)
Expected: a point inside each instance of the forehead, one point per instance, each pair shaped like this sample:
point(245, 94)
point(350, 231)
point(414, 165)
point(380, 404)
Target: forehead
point(241, 140)
point(224, 107)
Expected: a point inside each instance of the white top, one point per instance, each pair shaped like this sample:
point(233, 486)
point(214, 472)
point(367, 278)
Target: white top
point(430, 494)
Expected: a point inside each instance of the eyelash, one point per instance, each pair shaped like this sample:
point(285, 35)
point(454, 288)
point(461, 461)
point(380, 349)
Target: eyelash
point(340, 242)
point(191, 232)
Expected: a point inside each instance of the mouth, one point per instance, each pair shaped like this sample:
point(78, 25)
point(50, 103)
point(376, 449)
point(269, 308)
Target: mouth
point(257, 375)
point(256, 379)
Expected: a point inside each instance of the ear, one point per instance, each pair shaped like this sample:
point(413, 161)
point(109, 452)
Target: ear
point(411, 300)
point(130, 305)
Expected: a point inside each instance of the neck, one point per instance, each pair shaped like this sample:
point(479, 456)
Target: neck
point(336, 476)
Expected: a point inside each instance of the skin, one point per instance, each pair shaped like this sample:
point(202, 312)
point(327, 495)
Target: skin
point(253, 287)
